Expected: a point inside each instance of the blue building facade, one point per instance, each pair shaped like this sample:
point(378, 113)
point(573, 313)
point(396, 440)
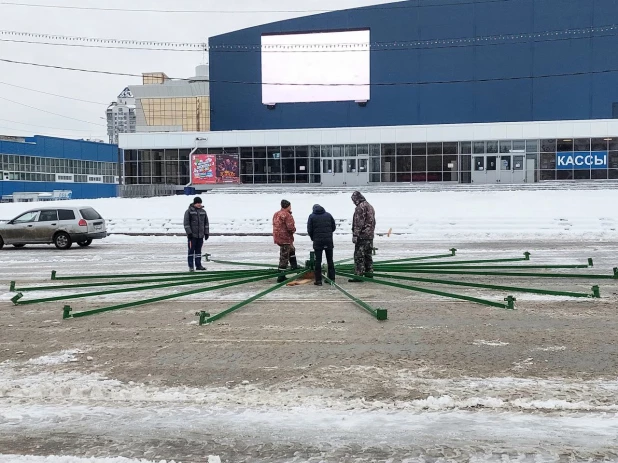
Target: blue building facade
point(43, 164)
point(441, 62)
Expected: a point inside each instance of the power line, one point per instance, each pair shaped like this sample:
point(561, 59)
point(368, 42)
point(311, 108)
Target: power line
point(298, 84)
point(193, 11)
point(49, 112)
point(53, 94)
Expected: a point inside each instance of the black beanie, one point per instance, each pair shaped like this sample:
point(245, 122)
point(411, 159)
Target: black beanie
point(197, 200)
point(285, 204)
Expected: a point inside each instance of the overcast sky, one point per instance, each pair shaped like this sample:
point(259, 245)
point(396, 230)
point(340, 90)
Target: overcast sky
point(16, 119)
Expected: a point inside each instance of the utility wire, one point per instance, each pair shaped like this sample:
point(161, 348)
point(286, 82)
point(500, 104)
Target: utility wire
point(54, 94)
point(49, 112)
point(298, 84)
point(194, 11)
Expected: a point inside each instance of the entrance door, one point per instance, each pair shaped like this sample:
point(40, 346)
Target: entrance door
point(357, 171)
point(505, 169)
point(519, 171)
point(332, 172)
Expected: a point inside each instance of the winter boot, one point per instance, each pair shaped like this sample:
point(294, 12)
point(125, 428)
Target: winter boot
point(200, 268)
point(318, 283)
point(293, 263)
point(281, 278)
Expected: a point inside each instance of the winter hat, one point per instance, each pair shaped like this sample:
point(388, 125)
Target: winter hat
point(285, 204)
point(197, 200)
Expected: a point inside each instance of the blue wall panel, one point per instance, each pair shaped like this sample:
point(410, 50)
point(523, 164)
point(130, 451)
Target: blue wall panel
point(61, 148)
point(501, 70)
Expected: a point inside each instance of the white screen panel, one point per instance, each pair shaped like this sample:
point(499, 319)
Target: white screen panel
point(326, 66)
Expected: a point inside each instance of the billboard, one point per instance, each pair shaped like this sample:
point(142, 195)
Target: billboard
point(228, 168)
point(324, 66)
point(581, 160)
point(210, 168)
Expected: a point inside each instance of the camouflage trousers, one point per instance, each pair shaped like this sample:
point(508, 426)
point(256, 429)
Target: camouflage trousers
point(287, 252)
point(363, 257)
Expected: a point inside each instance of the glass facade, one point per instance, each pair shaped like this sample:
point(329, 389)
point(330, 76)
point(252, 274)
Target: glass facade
point(453, 162)
point(44, 169)
point(190, 113)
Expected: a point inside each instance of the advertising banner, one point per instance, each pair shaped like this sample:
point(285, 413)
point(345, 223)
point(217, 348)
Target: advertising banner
point(203, 169)
point(581, 161)
point(228, 168)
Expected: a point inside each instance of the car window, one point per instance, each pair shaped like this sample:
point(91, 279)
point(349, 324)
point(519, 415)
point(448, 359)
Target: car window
point(66, 214)
point(27, 217)
point(89, 214)
point(48, 216)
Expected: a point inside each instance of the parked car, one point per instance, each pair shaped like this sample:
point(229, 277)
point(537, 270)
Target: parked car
point(60, 226)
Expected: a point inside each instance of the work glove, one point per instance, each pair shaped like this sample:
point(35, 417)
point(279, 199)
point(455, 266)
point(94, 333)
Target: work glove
point(206, 237)
point(354, 239)
point(190, 236)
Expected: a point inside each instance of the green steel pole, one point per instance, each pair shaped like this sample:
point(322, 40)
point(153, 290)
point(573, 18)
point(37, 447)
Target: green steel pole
point(428, 291)
point(198, 277)
point(380, 314)
point(483, 267)
point(16, 299)
point(143, 275)
point(243, 264)
point(508, 274)
point(67, 310)
point(204, 320)
point(593, 294)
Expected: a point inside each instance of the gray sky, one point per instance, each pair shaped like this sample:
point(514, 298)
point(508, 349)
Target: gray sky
point(20, 120)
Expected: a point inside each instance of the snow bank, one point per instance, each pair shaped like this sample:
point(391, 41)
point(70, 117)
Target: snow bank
point(425, 215)
point(64, 459)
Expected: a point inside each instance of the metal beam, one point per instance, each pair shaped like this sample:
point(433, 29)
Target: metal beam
point(593, 294)
point(204, 319)
point(508, 274)
point(429, 291)
point(17, 298)
point(142, 275)
point(380, 314)
point(67, 311)
point(197, 277)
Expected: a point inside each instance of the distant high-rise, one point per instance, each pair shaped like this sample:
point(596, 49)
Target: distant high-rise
point(121, 116)
point(163, 104)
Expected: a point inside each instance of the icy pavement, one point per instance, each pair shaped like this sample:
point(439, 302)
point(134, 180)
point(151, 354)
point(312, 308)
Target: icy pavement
point(303, 376)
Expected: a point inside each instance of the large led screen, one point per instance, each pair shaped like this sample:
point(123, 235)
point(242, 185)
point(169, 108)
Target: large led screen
point(326, 66)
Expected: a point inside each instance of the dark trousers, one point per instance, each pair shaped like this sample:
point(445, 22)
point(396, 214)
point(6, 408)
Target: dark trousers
point(363, 258)
point(318, 264)
point(195, 252)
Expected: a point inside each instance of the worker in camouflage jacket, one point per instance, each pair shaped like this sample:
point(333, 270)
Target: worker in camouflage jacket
point(363, 232)
point(284, 228)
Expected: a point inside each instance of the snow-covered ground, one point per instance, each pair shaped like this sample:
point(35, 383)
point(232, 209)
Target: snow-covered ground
point(463, 215)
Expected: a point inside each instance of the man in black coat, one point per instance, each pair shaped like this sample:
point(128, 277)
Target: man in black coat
point(197, 229)
point(320, 228)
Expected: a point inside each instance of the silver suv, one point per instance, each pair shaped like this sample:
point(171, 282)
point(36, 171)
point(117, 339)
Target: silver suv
point(60, 226)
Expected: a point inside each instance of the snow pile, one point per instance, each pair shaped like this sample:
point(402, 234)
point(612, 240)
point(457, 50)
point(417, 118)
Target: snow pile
point(454, 214)
point(29, 381)
point(65, 356)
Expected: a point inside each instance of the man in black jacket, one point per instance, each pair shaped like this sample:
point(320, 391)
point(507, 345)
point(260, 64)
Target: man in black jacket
point(320, 228)
point(197, 229)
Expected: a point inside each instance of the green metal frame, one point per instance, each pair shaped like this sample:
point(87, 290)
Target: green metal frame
point(206, 318)
point(508, 274)
point(431, 291)
point(68, 311)
point(594, 294)
point(17, 298)
point(379, 314)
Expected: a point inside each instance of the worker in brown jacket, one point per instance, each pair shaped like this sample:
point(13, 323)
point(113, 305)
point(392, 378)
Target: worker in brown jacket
point(283, 235)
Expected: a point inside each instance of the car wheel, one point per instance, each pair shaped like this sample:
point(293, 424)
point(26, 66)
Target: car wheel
point(62, 240)
point(1, 243)
point(19, 245)
point(83, 244)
